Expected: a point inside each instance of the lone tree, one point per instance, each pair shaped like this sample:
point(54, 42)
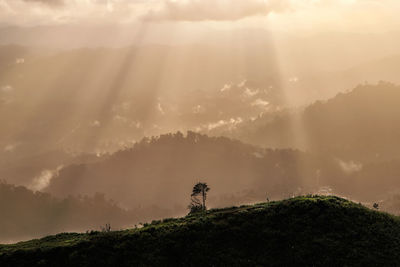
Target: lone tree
point(200, 189)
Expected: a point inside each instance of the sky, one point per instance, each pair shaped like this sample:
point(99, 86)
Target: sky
point(280, 15)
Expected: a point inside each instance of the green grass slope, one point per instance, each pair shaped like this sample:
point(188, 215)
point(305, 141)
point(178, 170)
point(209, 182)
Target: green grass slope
point(302, 231)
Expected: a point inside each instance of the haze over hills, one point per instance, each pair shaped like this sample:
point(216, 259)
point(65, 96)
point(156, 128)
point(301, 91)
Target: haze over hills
point(326, 50)
point(33, 170)
point(125, 102)
point(147, 173)
point(359, 125)
point(100, 108)
point(27, 214)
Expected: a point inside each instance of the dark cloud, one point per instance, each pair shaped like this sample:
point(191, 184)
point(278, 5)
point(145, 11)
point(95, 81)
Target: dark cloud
point(52, 3)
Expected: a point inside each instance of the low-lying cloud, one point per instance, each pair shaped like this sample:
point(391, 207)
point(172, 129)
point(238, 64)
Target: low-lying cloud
point(350, 167)
point(44, 178)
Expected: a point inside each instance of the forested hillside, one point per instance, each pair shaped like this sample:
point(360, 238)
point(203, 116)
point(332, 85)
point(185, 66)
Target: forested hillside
point(359, 125)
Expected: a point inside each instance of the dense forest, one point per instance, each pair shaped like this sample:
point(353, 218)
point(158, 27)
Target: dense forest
point(160, 170)
point(26, 214)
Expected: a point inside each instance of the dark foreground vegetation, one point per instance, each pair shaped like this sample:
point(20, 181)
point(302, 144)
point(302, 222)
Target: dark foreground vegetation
point(302, 231)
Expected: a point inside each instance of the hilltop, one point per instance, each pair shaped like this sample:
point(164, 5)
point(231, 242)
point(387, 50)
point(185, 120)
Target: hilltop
point(306, 231)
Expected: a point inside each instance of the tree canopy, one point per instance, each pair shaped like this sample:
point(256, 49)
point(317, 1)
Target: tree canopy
point(199, 189)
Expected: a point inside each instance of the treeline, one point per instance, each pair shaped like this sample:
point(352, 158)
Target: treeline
point(161, 170)
point(26, 214)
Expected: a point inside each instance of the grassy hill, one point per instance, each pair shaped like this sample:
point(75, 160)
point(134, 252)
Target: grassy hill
point(302, 231)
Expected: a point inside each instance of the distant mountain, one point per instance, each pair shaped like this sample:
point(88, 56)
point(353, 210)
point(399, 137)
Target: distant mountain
point(27, 214)
point(359, 125)
point(30, 214)
point(13, 56)
point(373, 71)
point(34, 170)
point(162, 170)
point(303, 231)
point(99, 100)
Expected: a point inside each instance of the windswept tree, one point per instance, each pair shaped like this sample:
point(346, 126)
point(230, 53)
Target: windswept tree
point(200, 189)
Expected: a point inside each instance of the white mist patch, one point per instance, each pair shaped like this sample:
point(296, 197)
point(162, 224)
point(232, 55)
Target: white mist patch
point(230, 124)
point(325, 191)
point(198, 109)
point(43, 179)
point(258, 155)
point(216, 124)
point(121, 119)
point(7, 88)
point(350, 166)
point(136, 124)
point(242, 83)
point(95, 123)
point(10, 147)
point(160, 108)
point(226, 87)
point(250, 93)
point(260, 103)
point(19, 61)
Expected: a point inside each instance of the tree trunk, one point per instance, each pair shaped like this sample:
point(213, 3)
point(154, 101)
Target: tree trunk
point(204, 199)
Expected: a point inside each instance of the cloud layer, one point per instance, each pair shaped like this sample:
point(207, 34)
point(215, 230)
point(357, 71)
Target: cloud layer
point(216, 10)
point(342, 15)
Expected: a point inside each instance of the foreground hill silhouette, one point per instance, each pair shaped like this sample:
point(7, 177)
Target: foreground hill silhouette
point(306, 231)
